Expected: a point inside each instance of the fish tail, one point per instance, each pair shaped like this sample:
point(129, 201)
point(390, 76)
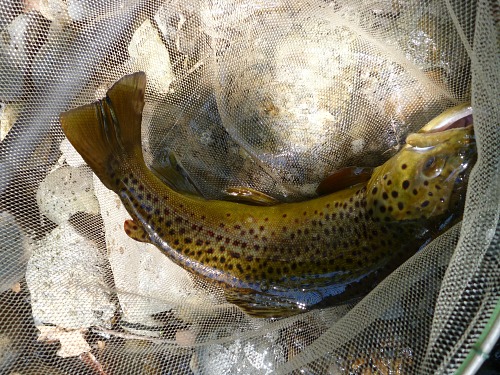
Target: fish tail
point(107, 133)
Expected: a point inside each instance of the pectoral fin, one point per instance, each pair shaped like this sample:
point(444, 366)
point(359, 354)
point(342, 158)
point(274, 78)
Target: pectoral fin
point(260, 305)
point(343, 179)
point(136, 231)
point(250, 196)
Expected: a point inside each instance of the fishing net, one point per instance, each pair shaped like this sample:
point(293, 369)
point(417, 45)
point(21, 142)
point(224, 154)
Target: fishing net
point(272, 95)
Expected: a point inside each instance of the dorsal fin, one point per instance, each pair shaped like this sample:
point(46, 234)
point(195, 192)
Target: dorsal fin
point(343, 179)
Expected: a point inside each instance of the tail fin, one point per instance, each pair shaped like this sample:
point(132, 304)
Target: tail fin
point(108, 132)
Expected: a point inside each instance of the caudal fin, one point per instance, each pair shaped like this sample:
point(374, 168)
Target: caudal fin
point(107, 133)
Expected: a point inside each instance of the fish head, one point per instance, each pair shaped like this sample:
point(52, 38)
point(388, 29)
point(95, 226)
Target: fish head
point(426, 178)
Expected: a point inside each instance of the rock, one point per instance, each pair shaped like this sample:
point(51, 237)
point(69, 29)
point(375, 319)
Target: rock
point(83, 10)
point(70, 155)
point(8, 352)
point(66, 280)
point(13, 58)
point(14, 251)
point(72, 342)
point(8, 116)
point(66, 191)
point(149, 54)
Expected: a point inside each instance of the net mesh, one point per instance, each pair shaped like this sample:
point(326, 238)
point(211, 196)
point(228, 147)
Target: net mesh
point(273, 95)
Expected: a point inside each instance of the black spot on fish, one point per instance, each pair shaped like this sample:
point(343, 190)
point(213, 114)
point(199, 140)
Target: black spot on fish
point(426, 183)
point(424, 204)
point(430, 194)
point(405, 184)
point(394, 194)
point(385, 196)
point(389, 182)
point(404, 166)
point(415, 191)
point(382, 209)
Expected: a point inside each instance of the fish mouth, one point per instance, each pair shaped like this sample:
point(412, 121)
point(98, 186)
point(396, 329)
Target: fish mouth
point(453, 118)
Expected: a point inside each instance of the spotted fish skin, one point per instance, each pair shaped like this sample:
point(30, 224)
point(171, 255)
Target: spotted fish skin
point(275, 260)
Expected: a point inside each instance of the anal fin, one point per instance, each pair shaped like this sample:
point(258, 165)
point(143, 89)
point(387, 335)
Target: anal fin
point(135, 231)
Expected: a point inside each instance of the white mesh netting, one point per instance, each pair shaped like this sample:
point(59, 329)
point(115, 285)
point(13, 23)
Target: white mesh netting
point(273, 95)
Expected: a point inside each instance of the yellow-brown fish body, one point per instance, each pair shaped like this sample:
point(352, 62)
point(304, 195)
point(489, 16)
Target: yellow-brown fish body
point(281, 259)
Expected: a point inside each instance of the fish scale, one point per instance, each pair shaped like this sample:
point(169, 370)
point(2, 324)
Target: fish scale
point(254, 246)
point(274, 260)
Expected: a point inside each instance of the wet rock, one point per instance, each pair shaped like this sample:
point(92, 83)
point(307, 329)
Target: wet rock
point(242, 357)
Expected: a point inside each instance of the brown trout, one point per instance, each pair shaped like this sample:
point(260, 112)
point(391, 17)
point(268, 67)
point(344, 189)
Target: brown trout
point(284, 258)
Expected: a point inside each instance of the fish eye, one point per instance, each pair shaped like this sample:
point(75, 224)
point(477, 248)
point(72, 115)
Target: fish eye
point(432, 167)
point(430, 162)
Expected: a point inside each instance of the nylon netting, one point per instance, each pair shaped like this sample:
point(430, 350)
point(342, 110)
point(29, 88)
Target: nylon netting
point(273, 95)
